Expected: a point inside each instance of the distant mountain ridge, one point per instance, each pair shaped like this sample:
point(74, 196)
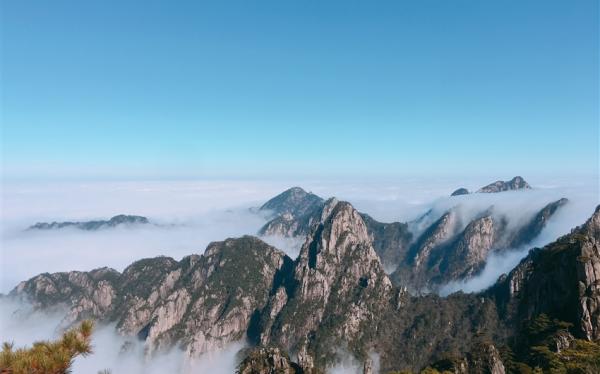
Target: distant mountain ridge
point(517, 183)
point(118, 220)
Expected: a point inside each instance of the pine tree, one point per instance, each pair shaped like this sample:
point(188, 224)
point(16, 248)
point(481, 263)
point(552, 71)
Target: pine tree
point(48, 357)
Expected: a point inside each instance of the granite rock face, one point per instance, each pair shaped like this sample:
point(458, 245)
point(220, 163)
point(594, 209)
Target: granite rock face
point(296, 211)
point(421, 259)
point(561, 280)
point(119, 220)
point(337, 290)
point(201, 303)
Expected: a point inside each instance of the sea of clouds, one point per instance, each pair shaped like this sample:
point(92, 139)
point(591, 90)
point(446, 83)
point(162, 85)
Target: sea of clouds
point(191, 214)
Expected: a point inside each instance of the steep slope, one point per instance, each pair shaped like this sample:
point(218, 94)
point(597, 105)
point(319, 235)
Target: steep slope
point(336, 292)
point(445, 252)
point(534, 227)
point(297, 211)
point(561, 280)
point(391, 241)
point(115, 221)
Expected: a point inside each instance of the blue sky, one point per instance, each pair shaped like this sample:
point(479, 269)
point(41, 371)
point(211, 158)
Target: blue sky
point(119, 89)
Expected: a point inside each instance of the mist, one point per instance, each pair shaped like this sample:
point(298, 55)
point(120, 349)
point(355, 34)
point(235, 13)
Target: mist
point(519, 207)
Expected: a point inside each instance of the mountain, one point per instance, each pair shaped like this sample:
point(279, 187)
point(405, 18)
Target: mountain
point(460, 191)
point(336, 297)
point(559, 280)
point(446, 252)
point(298, 210)
point(517, 183)
point(293, 201)
point(336, 292)
point(200, 303)
point(293, 211)
point(119, 220)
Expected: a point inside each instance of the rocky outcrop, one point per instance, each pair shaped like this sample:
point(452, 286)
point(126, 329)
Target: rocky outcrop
point(517, 183)
point(484, 358)
point(269, 360)
point(561, 280)
point(201, 302)
point(460, 191)
point(120, 220)
point(294, 211)
point(471, 250)
point(337, 290)
point(426, 251)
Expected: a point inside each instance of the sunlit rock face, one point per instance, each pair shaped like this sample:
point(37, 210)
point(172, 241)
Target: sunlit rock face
point(337, 282)
point(560, 279)
point(201, 302)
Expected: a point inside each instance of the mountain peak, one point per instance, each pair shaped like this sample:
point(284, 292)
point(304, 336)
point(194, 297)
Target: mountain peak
point(338, 281)
point(517, 183)
point(295, 201)
point(460, 191)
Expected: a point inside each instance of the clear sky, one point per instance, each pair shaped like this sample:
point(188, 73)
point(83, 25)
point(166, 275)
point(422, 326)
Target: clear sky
point(165, 89)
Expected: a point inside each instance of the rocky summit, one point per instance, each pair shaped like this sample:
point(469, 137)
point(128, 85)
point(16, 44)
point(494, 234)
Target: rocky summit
point(517, 183)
